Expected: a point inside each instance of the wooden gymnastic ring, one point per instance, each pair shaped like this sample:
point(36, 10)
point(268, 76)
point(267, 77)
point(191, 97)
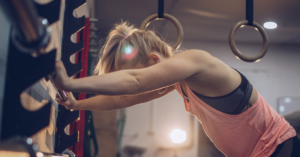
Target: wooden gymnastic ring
point(179, 28)
point(237, 53)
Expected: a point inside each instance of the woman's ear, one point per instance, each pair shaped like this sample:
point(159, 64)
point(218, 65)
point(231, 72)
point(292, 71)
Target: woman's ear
point(155, 58)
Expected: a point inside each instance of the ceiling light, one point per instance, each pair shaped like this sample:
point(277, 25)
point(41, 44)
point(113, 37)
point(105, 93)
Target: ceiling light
point(270, 25)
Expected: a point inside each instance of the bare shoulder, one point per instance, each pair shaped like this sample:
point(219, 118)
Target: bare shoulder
point(214, 77)
point(193, 53)
point(199, 56)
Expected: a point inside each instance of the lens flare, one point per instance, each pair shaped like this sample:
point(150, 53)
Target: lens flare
point(129, 52)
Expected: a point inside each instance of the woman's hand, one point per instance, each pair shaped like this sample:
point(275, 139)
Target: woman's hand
point(61, 77)
point(70, 103)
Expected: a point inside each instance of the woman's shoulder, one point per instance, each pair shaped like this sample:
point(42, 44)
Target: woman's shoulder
point(193, 51)
point(194, 54)
point(201, 58)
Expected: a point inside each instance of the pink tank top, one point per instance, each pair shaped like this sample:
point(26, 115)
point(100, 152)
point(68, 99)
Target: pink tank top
point(253, 133)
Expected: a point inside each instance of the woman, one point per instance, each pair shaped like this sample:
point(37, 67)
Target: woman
point(137, 66)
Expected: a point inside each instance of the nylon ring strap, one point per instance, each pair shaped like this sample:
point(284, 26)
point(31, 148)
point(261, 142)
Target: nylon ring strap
point(249, 22)
point(171, 18)
point(161, 15)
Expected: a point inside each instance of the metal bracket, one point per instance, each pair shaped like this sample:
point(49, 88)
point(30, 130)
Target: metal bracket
point(23, 70)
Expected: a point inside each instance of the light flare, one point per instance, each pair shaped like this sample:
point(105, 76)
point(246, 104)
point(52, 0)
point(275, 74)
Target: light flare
point(129, 52)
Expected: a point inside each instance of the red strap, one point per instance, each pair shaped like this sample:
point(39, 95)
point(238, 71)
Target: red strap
point(80, 125)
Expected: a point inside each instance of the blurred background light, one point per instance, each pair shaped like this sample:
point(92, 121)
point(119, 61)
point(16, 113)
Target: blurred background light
point(178, 136)
point(270, 25)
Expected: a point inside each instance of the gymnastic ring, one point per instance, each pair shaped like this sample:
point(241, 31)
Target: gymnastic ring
point(237, 53)
point(154, 17)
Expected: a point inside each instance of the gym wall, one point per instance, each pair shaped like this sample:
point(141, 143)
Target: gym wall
point(41, 92)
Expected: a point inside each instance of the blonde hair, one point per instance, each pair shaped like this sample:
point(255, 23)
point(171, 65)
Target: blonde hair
point(122, 35)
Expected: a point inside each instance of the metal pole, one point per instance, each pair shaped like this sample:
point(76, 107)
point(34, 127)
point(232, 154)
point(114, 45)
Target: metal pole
point(31, 31)
point(24, 18)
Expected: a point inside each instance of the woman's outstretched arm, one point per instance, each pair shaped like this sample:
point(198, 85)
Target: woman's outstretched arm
point(127, 82)
point(107, 103)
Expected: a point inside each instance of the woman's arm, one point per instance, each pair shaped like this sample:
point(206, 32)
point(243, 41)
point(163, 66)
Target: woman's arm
point(179, 67)
point(106, 103)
